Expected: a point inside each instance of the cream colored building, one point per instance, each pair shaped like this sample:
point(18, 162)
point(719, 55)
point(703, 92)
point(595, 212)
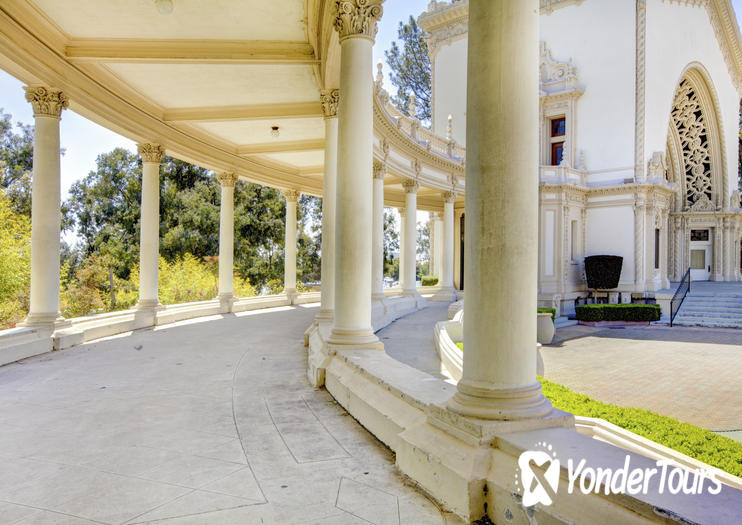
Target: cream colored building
point(638, 137)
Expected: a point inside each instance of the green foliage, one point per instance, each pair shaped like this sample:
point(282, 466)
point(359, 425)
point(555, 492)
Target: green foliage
point(86, 294)
point(15, 270)
point(16, 159)
point(391, 245)
point(410, 67)
point(274, 286)
point(693, 441)
point(551, 311)
point(618, 312)
point(429, 280)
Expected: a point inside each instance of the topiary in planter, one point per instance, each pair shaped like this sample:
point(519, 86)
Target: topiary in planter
point(429, 280)
point(603, 271)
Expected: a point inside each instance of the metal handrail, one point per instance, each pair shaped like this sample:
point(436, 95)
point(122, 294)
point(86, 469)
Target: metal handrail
point(677, 300)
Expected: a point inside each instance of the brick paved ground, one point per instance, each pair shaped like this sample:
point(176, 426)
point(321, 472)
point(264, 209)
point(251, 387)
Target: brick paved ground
point(693, 374)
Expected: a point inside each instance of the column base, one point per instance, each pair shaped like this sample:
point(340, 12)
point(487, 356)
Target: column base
point(419, 300)
point(323, 316)
point(445, 294)
point(380, 298)
point(342, 339)
point(226, 300)
point(505, 404)
point(291, 294)
point(149, 304)
point(47, 319)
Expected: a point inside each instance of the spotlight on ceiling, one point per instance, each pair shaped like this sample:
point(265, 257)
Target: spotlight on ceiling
point(274, 131)
point(165, 7)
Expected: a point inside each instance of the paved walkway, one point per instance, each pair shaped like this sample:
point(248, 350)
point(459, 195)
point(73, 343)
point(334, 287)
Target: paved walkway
point(209, 421)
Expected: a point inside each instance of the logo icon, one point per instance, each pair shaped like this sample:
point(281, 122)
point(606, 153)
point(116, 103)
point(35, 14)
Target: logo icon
point(539, 473)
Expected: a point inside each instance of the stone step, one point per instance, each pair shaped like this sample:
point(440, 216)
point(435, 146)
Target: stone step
point(562, 322)
point(682, 320)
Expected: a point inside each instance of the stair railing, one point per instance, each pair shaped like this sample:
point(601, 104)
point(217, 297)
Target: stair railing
point(677, 299)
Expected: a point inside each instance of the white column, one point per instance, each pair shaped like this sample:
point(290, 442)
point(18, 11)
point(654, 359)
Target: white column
point(377, 249)
point(226, 237)
point(400, 265)
point(409, 225)
point(149, 238)
point(289, 245)
point(446, 292)
point(356, 24)
point(48, 104)
point(499, 368)
point(329, 99)
point(436, 243)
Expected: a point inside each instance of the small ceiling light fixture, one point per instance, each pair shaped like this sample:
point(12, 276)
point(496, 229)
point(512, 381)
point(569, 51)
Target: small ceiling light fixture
point(165, 7)
point(274, 131)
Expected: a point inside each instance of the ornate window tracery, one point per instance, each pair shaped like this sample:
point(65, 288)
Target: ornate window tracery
point(690, 123)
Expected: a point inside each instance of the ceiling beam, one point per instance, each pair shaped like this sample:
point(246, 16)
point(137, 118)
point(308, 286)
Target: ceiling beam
point(255, 112)
point(281, 147)
point(189, 51)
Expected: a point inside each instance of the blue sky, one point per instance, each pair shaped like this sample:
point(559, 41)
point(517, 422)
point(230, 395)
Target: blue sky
point(85, 140)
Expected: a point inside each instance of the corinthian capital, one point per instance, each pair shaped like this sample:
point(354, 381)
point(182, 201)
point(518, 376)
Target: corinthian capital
point(151, 152)
point(227, 179)
point(379, 170)
point(448, 196)
point(46, 101)
point(357, 18)
point(291, 195)
point(410, 185)
point(329, 99)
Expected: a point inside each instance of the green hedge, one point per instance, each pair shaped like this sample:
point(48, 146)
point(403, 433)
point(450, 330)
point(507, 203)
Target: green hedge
point(429, 280)
point(618, 312)
point(696, 442)
point(551, 311)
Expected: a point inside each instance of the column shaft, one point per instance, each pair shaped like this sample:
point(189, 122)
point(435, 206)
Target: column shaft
point(48, 104)
point(409, 224)
point(352, 320)
point(400, 265)
point(377, 254)
point(149, 237)
point(329, 183)
point(499, 366)
point(226, 236)
point(289, 260)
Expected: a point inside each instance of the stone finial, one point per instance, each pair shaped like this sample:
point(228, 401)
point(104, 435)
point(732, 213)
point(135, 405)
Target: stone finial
point(291, 195)
point(412, 105)
point(227, 179)
point(448, 196)
point(46, 101)
point(379, 170)
point(357, 18)
point(410, 185)
point(449, 128)
point(379, 75)
point(329, 99)
point(151, 152)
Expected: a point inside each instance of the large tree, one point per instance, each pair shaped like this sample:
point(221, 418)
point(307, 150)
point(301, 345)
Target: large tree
point(16, 158)
point(410, 67)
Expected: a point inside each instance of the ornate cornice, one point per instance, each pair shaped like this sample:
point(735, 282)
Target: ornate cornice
point(46, 101)
point(291, 195)
point(410, 185)
point(227, 179)
point(357, 18)
point(329, 99)
point(723, 20)
point(151, 152)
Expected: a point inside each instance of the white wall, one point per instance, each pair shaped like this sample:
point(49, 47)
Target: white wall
point(678, 35)
point(610, 231)
point(449, 90)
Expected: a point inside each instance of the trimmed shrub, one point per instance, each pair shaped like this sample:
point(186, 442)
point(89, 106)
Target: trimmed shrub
point(551, 311)
point(603, 271)
point(429, 280)
point(618, 312)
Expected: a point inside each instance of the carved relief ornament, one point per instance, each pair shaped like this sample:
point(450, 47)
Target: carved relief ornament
point(329, 98)
point(357, 18)
point(151, 152)
point(46, 101)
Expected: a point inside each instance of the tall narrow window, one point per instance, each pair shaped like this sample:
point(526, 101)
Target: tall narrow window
point(656, 249)
point(558, 132)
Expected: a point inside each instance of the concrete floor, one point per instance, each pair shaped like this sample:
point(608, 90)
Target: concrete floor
point(208, 421)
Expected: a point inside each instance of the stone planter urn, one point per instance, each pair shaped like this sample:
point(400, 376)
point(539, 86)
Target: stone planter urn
point(544, 328)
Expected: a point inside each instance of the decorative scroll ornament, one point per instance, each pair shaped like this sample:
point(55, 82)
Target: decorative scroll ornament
point(357, 18)
point(151, 152)
point(556, 76)
point(735, 200)
point(417, 167)
point(385, 148)
point(379, 170)
point(703, 204)
point(46, 101)
point(657, 166)
point(329, 98)
point(688, 119)
point(291, 195)
point(227, 179)
point(410, 185)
